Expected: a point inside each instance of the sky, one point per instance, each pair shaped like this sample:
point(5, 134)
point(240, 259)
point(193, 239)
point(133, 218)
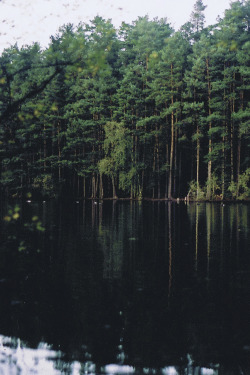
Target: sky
point(27, 21)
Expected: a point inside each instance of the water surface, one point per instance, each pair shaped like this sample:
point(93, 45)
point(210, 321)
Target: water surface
point(125, 287)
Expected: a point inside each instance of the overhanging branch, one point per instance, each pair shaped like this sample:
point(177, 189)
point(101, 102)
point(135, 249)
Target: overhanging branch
point(13, 107)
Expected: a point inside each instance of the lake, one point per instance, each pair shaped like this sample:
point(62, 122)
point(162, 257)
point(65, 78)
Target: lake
point(126, 288)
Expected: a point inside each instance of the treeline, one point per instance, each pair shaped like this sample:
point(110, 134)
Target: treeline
point(142, 111)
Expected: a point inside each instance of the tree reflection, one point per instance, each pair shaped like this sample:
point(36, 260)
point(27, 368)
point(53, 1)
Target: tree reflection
point(147, 285)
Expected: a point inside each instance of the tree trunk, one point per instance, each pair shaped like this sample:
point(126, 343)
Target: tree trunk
point(232, 134)
point(172, 142)
point(223, 169)
point(84, 187)
point(94, 183)
point(44, 148)
point(239, 144)
point(113, 187)
point(171, 156)
point(209, 169)
point(158, 167)
point(59, 151)
point(154, 162)
point(101, 188)
point(238, 163)
point(198, 161)
point(167, 176)
point(175, 159)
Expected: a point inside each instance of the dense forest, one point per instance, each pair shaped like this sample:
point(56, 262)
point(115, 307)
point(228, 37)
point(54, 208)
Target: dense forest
point(137, 112)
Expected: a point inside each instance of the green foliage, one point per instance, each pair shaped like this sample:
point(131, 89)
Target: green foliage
point(213, 186)
point(196, 192)
point(45, 184)
point(116, 148)
point(241, 190)
point(141, 108)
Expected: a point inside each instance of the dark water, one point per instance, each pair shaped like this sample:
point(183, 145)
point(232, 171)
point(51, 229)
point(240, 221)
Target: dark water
point(126, 287)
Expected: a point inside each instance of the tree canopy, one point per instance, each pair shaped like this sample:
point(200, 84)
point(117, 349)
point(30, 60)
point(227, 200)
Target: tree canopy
point(138, 112)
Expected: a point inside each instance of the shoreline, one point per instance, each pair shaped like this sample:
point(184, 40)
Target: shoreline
point(124, 199)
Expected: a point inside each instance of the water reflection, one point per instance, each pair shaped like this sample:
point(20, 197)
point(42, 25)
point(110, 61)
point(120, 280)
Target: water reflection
point(17, 358)
point(122, 287)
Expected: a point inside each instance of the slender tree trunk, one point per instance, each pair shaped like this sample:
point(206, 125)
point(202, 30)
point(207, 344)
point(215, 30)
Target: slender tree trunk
point(84, 187)
point(167, 175)
point(231, 150)
point(209, 169)
point(239, 145)
point(93, 195)
point(154, 163)
point(172, 142)
point(158, 167)
point(232, 134)
point(101, 187)
point(238, 163)
point(113, 187)
point(84, 178)
point(223, 169)
point(198, 161)
point(78, 185)
point(59, 151)
point(171, 156)
point(133, 161)
point(143, 171)
point(179, 174)
point(44, 147)
point(175, 158)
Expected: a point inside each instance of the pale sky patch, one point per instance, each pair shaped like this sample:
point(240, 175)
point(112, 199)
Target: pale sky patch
point(28, 21)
